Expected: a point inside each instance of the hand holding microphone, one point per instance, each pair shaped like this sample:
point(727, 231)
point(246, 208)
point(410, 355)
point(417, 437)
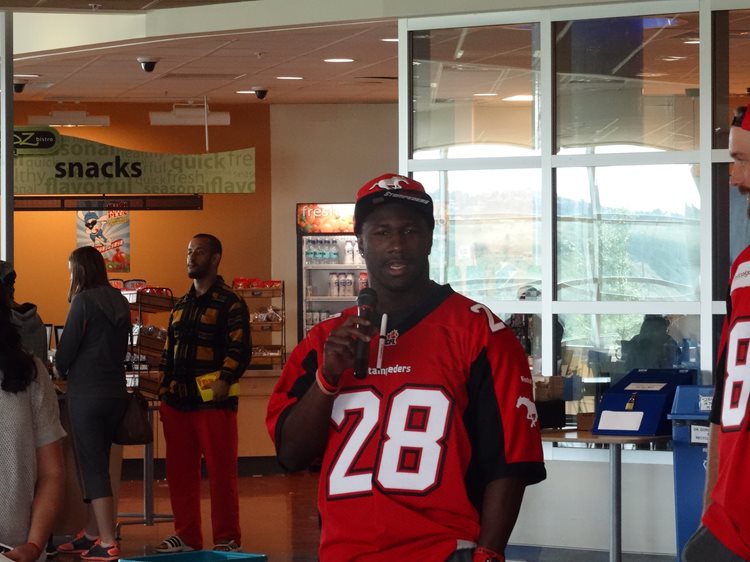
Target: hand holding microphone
point(366, 303)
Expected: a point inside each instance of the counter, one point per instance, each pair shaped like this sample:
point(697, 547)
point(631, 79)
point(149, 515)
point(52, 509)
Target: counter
point(256, 386)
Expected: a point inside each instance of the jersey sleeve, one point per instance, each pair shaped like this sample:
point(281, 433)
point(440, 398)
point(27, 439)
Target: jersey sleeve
point(501, 418)
point(296, 378)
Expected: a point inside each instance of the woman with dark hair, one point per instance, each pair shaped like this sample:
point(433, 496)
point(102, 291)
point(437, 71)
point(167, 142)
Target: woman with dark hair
point(31, 460)
point(91, 356)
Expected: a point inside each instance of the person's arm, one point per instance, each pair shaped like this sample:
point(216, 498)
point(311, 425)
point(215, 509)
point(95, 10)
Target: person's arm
point(48, 499)
point(501, 504)
point(75, 326)
point(304, 431)
point(238, 346)
point(712, 468)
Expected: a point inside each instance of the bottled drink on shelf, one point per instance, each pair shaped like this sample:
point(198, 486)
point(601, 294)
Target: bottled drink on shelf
point(363, 281)
point(349, 284)
point(333, 284)
point(358, 259)
point(342, 283)
point(308, 318)
point(335, 255)
point(309, 253)
point(348, 252)
point(315, 316)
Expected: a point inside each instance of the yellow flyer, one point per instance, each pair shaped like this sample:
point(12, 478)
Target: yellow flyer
point(204, 386)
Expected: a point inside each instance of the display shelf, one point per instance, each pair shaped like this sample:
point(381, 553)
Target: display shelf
point(145, 346)
point(148, 302)
point(253, 292)
point(266, 326)
point(267, 355)
point(351, 298)
point(149, 347)
point(269, 337)
point(337, 266)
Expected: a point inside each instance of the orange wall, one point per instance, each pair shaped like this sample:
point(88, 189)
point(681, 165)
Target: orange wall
point(43, 240)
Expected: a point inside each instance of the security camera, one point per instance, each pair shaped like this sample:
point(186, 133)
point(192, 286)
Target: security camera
point(19, 85)
point(261, 93)
point(148, 64)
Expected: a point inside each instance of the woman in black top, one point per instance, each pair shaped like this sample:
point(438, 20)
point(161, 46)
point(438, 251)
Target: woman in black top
point(91, 356)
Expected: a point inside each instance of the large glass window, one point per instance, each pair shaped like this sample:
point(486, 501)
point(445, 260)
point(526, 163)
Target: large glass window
point(585, 210)
point(628, 81)
point(487, 241)
point(628, 233)
point(476, 85)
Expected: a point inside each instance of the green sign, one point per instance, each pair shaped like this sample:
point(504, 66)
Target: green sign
point(73, 166)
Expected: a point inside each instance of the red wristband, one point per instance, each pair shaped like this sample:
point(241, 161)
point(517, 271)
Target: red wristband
point(325, 387)
point(37, 547)
point(482, 554)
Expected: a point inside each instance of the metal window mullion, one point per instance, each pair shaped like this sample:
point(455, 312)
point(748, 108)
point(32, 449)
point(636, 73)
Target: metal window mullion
point(6, 136)
point(404, 97)
point(705, 135)
point(549, 212)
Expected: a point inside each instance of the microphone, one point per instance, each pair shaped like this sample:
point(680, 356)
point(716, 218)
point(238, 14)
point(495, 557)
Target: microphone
point(366, 302)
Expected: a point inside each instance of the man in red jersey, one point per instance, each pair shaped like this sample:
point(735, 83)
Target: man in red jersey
point(724, 534)
point(426, 457)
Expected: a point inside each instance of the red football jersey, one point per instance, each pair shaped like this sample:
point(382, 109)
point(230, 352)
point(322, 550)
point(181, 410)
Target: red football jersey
point(412, 446)
point(728, 516)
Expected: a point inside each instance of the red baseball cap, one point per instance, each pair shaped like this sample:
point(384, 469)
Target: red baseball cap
point(742, 118)
point(391, 188)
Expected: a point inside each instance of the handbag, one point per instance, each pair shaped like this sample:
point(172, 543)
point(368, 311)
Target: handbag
point(134, 427)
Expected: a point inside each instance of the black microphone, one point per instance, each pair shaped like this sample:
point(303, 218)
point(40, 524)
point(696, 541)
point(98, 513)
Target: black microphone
point(366, 302)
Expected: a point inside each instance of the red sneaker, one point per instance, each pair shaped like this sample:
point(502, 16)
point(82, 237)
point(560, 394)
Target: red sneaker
point(101, 552)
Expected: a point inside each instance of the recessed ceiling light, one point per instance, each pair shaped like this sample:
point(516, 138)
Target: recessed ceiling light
point(390, 39)
point(25, 76)
point(289, 78)
point(651, 74)
point(692, 42)
point(520, 97)
point(245, 92)
point(485, 95)
point(672, 58)
point(338, 60)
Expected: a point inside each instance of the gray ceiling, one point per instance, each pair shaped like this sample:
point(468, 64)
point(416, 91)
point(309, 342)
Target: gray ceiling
point(217, 65)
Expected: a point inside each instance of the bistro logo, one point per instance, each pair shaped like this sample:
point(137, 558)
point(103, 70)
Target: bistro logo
point(34, 141)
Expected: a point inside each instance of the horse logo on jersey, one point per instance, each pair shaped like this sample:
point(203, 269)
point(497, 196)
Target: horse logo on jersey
point(531, 413)
point(391, 338)
point(389, 183)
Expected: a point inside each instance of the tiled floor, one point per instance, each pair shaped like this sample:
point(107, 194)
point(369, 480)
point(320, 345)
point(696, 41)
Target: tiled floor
point(279, 519)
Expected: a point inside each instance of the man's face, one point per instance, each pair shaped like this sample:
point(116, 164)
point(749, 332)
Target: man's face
point(739, 150)
point(200, 261)
point(396, 242)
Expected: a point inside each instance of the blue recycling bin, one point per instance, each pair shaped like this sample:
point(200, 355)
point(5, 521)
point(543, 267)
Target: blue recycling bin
point(690, 410)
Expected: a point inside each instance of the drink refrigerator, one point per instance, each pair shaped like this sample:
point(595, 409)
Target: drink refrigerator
point(330, 270)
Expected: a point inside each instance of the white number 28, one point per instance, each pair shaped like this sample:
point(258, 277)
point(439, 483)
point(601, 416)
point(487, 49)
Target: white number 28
point(737, 384)
point(410, 459)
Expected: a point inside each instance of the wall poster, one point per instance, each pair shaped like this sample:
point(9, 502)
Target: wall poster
point(109, 232)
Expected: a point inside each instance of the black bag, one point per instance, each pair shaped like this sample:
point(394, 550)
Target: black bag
point(134, 427)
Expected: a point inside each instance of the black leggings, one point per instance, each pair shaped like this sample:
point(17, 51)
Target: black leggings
point(703, 545)
point(93, 421)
